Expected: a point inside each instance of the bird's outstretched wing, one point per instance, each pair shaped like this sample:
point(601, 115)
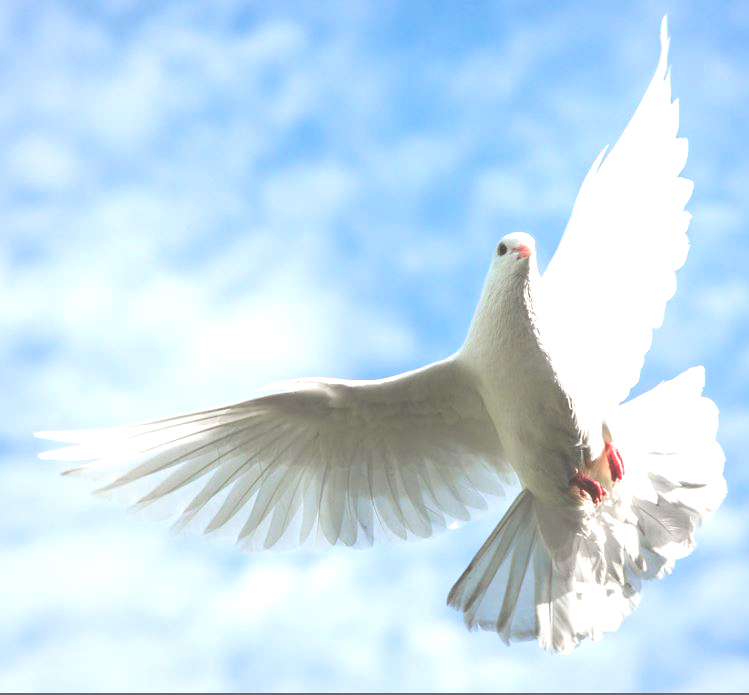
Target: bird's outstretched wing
point(606, 287)
point(325, 461)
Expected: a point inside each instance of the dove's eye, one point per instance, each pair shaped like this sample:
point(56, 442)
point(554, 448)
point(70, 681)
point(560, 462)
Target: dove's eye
point(501, 250)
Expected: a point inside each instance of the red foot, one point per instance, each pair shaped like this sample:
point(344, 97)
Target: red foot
point(616, 465)
point(590, 486)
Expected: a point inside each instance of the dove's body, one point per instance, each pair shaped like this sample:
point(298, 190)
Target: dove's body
point(542, 433)
point(335, 461)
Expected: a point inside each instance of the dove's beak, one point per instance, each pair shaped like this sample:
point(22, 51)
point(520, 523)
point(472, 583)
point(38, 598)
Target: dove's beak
point(524, 251)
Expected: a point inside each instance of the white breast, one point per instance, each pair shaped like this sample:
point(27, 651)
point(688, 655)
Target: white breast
point(534, 415)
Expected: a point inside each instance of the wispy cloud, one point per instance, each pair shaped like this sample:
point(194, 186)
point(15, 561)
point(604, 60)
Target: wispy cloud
point(197, 200)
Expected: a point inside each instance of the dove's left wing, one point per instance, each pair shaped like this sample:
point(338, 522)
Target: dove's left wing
point(606, 287)
point(330, 461)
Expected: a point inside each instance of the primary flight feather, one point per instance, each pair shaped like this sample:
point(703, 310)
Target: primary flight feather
point(611, 493)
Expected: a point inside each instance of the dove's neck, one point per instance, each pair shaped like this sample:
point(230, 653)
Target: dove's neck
point(506, 315)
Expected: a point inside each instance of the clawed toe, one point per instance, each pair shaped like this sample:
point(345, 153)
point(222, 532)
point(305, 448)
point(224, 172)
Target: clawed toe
point(616, 464)
point(593, 489)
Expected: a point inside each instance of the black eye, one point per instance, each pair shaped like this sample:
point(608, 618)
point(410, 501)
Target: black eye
point(501, 250)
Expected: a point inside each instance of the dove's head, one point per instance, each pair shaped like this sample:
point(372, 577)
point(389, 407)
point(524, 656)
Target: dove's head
point(515, 252)
point(508, 287)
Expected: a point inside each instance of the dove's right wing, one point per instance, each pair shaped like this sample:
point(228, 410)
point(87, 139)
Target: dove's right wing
point(326, 460)
point(606, 287)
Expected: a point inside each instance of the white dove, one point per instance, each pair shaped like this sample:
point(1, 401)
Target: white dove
point(535, 389)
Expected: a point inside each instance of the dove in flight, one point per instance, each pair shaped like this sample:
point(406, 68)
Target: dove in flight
point(611, 492)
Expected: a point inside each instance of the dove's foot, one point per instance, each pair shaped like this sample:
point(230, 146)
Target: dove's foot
point(588, 486)
point(616, 464)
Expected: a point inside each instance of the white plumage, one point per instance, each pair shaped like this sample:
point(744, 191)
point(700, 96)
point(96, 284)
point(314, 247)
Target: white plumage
point(534, 391)
point(323, 462)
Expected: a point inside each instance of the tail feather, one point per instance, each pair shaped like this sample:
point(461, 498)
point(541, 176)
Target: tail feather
point(561, 574)
point(501, 562)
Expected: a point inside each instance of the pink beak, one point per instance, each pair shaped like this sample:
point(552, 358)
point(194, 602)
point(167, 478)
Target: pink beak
point(524, 251)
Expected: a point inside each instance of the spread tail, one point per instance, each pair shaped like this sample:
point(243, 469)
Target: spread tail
point(560, 574)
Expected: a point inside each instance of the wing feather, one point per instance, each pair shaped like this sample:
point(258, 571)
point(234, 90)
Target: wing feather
point(325, 461)
point(606, 287)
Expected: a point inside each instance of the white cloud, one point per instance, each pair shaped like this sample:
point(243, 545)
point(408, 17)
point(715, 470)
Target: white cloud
point(41, 163)
point(725, 303)
point(223, 200)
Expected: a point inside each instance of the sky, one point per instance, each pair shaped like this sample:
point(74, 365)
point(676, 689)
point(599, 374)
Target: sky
point(200, 198)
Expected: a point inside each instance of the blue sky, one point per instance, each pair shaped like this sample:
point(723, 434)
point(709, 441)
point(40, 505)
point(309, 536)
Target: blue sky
point(200, 198)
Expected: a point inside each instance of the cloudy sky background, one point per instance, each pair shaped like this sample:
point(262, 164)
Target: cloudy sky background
point(200, 198)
